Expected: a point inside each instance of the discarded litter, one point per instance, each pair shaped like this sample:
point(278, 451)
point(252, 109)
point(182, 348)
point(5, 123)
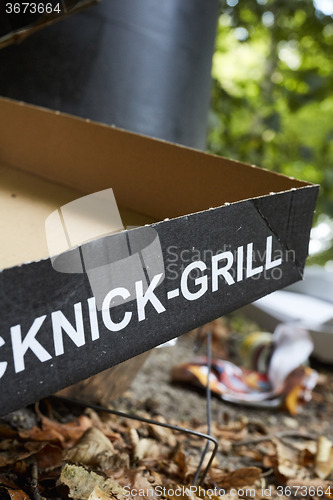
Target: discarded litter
point(308, 303)
point(284, 379)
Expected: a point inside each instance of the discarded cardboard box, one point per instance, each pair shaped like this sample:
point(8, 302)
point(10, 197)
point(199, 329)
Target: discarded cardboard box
point(18, 20)
point(229, 233)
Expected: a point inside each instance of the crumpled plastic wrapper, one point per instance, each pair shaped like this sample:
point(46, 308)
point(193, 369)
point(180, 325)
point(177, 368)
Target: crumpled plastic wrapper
point(286, 379)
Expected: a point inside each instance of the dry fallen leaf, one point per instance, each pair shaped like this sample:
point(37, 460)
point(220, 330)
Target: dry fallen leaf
point(8, 481)
point(324, 458)
point(14, 494)
point(52, 431)
point(147, 448)
point(98, 494)
point(94, 449)
point(11, 451)
point(49, 457)
point(81, 483)
point(288, 462)
point(234, 431)
point(180, 459)
point(106, 424)
point(163, 434)
point(252, 453)
point(244, 476)
point(6, 431)
point(302, 445)
point(136, 483)
point(144, 448)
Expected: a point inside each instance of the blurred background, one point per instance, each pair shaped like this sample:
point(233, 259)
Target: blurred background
point(272, 98)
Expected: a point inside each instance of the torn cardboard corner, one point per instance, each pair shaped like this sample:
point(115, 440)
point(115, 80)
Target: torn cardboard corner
point(225, 235)
point(18, 20)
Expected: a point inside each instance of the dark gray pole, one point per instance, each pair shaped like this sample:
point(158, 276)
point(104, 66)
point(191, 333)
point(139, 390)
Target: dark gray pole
point(143, 65)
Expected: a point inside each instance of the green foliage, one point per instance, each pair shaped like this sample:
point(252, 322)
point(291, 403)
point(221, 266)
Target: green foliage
point(272, 101)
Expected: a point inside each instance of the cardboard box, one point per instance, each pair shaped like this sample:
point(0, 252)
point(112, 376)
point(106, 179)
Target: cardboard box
point(228, 234)
point(18, 20)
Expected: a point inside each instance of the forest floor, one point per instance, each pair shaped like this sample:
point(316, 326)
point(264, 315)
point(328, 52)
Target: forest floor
point(58, 450)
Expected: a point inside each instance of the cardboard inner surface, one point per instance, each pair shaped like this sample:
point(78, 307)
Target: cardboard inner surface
point(147, 175)
point(48, 159)
point(25, 202)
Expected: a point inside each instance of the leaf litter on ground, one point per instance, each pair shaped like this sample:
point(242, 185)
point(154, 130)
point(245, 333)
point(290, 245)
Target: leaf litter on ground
point(97, 456)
